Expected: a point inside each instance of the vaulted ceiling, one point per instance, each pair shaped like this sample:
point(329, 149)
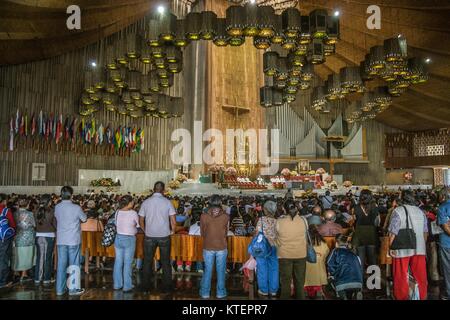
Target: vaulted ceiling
point(36, 29)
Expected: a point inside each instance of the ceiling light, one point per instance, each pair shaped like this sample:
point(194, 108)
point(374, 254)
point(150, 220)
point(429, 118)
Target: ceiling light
point(427, 60)
point(337, 13)
point(161, 9)
point(93, 64)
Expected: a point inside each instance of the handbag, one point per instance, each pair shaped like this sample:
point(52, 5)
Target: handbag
point(311, 255)
point(110, 231)
point(406, 238)
point(260, 247)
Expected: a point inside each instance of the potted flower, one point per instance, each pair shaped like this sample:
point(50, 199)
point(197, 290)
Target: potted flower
point(347, 184)
point(181, 178)
point(321, 171)
point(174, 184)
point(286, 173)
point(407, 176)
point(231, 172)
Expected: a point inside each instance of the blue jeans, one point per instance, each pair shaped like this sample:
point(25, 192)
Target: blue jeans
point(445, 264)
point(267, 273)
point(45, 247)
point(221, 268)
point(68, 256)
point(122, 275)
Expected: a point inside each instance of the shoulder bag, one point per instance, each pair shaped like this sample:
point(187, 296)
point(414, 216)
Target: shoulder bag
point(406, 238)
point(311, 255)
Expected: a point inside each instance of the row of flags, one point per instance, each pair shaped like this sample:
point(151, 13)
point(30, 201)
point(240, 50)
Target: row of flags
point(70, 130)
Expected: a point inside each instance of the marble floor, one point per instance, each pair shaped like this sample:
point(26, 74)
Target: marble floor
point(98, 286)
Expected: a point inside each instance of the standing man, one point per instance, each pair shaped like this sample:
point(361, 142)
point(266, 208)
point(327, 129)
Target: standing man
point(7, 228)
point(330, 228)
point(327, 200)
point(157, 218)
point(444, 240)
point(405, 260)
point(68, 243)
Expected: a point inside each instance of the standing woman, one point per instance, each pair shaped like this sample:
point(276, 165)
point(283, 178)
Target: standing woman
point(365, 238)
point(45, 240)
point(23, 254)
point(127, 222)
point(267, 272)
point(316, 273)
point(291, 249)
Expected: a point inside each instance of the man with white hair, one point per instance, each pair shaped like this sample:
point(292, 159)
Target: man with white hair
point(330, 228)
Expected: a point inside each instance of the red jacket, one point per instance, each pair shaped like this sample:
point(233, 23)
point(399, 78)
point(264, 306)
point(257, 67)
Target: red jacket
point(9, 216)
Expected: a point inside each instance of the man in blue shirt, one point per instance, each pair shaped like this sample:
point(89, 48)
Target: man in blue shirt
point(68, 243)
point(444, 240)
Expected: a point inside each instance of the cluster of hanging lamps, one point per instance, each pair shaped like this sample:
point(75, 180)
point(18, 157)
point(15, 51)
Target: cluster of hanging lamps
point(153, 54)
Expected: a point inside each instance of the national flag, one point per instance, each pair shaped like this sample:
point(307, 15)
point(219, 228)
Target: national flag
point(17, 124)
point(41, 123)
point(22, 126)
point(54, 124)
point(118, 138)
point(142, 139)
point(33, 124)
point(87, 129)
point(26, 125)
point(126, 137)
point(66, 129)
point(11, 134)
point(100, 134)
point(59, 129)
point(108, 135)
point(138, 140)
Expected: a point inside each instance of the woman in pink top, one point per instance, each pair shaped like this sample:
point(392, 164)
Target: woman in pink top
point(127, 222)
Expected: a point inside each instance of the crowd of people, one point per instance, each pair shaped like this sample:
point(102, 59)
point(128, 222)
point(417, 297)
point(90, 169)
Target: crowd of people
point(415, 222)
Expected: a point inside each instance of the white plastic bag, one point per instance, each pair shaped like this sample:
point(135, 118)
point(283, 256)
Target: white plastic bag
point(250, 264)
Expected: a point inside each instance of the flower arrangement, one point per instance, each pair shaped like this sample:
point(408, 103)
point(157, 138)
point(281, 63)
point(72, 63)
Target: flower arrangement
point(278, 182)
point(312, 172)
point(328, 179)
point(294, 173)
point(174, 184)
point(407, 176)
point(105, 182)
point(181, 178)
point(347, 184)
point(231, 171)
point(216, 168)
point(285, 172)
point(321, 171)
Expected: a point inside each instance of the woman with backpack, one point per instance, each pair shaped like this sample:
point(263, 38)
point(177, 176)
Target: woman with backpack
point(365, 238)
point(291, 244)
point(24, 242)
point(127, 224)
point(267, 270)
point(45, 240)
